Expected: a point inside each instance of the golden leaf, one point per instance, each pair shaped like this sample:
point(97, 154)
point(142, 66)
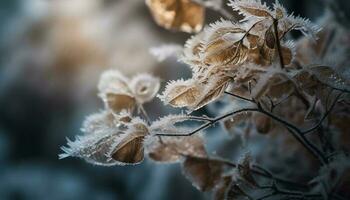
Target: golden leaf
point(180, 15)
point(202, 172)
point(172, 149)
point(182, 93)
point(130, 150)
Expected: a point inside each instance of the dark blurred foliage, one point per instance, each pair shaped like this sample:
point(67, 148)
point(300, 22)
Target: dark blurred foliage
point(33, 126)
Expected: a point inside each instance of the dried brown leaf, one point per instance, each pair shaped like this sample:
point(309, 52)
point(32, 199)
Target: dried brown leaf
point(233, 54)
point(119, 102)
point(183, 95)
point(214, 92)
point(270, 39)
point(130, 149)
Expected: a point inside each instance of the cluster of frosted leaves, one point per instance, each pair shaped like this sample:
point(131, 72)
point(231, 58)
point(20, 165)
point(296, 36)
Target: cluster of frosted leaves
point(121, 93)
point(228, 52)
point(109, 139)
point(179, 15)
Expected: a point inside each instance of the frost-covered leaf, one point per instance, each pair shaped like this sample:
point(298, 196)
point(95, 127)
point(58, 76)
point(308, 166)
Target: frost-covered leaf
point(204, 173)
point(115, 92)
point(101, 132)
point(212, 91)
point(251, 8)
point(144, 87)
point(181, 15)
point(130, 149)
point(222, 52)
point(172, 149)
point(121, 93)
point(181, 93)
point(109, 139)
point(119, 102)
point(303, 25)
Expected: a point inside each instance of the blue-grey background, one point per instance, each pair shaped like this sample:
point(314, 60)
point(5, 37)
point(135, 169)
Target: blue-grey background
point(41, 105)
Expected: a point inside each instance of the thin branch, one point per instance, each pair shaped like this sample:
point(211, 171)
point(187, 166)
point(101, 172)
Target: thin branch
point(239, 97)
point(324, 116)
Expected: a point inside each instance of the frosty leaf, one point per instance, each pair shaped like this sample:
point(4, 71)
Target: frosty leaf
point(182, 15)
point(163, 52)
point(167, 124)
point(192, 51)
point(181, 93)
point(98, 123)
point(280, 11)
point(213, 90)
point(221, 28)
point(221, 53)
point(172, 149)
point(115, 92)
point(112, 81)
point(144, 87)
point(130, 149)
point(251, 8)
point(202, 172)
point(301, 24)
point(101, 131)
point(93, 149)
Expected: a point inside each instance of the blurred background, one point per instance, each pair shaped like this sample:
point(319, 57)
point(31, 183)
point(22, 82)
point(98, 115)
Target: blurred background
point(52, 54)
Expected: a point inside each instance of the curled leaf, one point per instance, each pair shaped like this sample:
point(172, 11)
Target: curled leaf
point(130, 149)
point(144, 87)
